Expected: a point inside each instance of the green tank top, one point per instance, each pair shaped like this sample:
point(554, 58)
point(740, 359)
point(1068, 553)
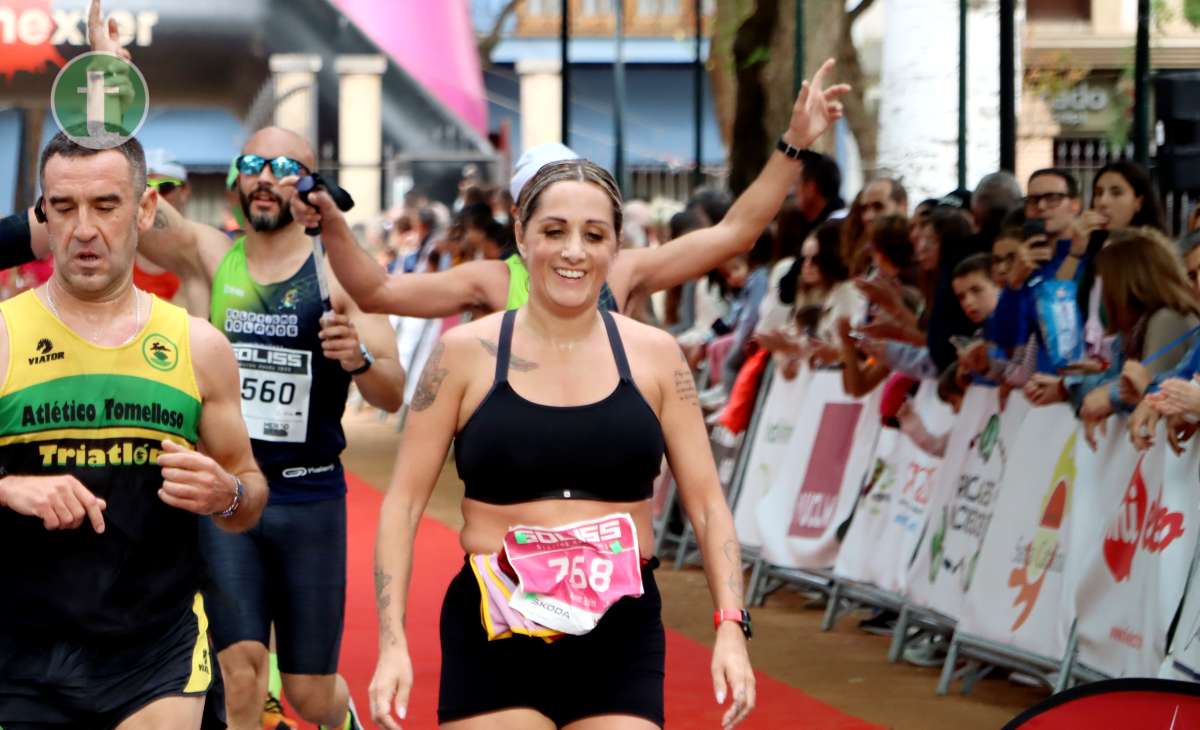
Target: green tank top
point(518, 287)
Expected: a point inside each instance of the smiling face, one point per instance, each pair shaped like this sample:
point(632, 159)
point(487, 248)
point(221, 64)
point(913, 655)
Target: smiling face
point(568, 244)
point(93, 217)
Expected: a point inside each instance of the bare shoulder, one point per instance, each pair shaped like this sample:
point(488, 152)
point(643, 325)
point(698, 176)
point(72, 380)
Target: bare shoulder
point(647, 343)
point(209, 346)
point(454, 362)
point(468, 336)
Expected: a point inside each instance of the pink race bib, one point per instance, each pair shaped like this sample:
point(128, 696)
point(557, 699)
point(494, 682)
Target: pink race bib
point(568, 576)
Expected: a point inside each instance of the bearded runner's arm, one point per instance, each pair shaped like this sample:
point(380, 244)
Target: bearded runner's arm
point(186, 248)
point(442, 294)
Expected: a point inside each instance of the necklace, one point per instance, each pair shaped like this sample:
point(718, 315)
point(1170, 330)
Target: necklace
point(137, 311)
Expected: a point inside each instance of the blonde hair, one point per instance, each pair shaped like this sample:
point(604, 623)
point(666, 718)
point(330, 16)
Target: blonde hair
point(1142, 274)
point(574, 170)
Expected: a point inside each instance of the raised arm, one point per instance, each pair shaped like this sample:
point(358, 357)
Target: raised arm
point(442, 294)
point(186, 248)
point(431, 423)
point(701, 251)
point(205, 481)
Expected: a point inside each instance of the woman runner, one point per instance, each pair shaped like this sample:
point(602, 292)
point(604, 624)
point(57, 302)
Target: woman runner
point(560, 414)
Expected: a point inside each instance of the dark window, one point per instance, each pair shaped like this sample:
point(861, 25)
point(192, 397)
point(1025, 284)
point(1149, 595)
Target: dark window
point(1059, 10)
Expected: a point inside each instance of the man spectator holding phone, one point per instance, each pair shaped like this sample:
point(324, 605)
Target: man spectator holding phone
point(1042, 299)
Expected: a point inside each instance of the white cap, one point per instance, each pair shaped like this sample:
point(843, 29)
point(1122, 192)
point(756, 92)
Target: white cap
point(160, 163)
point(535, 159)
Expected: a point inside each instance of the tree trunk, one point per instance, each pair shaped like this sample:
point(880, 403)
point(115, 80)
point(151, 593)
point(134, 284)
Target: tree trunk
point(751, 50)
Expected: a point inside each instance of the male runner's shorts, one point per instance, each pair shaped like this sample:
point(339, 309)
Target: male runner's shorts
point(615, 669)
point(69, 685)
point(290, 570)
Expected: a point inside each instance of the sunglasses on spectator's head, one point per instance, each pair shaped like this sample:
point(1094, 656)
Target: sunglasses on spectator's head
point(281, 166)
point(1050, 199)
point(165, 185)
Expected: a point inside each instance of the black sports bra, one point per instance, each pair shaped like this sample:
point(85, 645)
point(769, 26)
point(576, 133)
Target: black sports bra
point(512, 450)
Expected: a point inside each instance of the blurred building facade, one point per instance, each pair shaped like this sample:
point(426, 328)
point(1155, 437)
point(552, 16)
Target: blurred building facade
point(522, 79)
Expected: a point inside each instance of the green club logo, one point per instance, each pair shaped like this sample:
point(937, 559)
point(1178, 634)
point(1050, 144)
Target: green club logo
point(99, 100)
point(160, 352)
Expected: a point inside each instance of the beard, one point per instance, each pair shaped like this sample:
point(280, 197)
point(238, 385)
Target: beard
point(265, 222)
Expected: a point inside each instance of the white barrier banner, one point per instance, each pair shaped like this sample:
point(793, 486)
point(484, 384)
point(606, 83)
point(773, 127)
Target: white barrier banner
point(1136, 547)
point(870, 520)
point(886, 527)
point(897, 546)
point(819, 479)
point(1183, 661)
point(1017, 592)
point(773, 438)
point(961, 506)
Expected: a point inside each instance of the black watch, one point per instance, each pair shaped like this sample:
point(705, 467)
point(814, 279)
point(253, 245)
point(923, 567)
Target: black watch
point(368, 361)
point(787, 149)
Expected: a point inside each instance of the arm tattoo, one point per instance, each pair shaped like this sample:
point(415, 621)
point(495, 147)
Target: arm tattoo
point(514, 362)
point(160, 220)
point(685, 387)
point(431, 380)
point(732, 554)
point(383, 600)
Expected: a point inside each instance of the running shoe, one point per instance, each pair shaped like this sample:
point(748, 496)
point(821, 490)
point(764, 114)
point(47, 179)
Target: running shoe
point(273, 717)
point(927, 651)
point(352, 722)
point(883, 623)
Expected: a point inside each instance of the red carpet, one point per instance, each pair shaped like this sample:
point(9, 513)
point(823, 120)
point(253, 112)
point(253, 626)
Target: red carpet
point(689, 695)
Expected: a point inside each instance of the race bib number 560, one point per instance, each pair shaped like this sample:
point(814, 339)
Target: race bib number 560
point(276, 383)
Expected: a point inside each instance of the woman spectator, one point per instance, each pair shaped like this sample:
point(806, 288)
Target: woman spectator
point(1123, 196)
point(821, 296)
point(1152, 311)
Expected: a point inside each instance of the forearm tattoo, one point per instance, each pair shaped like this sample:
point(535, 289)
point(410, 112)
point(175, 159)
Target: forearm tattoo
point(383, 600)
point(160, 220)
point(431, 380)
point(514, 362)
point(734, 558)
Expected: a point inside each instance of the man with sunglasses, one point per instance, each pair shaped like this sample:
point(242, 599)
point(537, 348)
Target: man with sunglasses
point(296, 367)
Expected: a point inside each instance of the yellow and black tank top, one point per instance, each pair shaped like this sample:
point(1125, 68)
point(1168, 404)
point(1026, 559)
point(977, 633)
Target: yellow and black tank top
point(68, 406)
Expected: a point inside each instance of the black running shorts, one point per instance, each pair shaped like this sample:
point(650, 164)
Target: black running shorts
point(66, 684)
point(615, 669)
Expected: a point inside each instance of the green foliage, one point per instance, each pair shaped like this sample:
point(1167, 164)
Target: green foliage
point(1191, 11)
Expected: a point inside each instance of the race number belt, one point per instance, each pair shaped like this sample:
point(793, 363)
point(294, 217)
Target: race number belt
point(276, 382)
point(567, 577)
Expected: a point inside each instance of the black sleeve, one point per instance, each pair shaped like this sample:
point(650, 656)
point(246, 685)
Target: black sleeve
point(16, 246)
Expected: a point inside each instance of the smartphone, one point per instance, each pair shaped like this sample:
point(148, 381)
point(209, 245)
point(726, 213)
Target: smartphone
point(962, 343)
point(1035, 227)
